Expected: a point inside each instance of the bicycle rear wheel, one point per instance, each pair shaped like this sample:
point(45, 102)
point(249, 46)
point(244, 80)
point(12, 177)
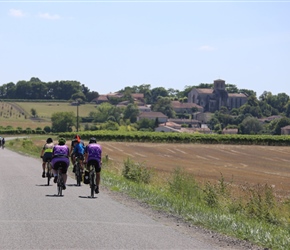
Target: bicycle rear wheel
point(78, 174)
point(92, 181)
point(48, 172)
point(59, 183)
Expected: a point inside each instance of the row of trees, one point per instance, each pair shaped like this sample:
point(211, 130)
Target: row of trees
point(35, 89)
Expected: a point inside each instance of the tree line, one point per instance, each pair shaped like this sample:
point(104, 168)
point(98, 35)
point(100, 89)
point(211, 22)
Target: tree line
point(36, 89)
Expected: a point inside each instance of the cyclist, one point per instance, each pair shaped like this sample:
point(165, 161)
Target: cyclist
point(93, 156)
point(60, 158)
point(73, 143)
point(46, 154)
point(79, 151)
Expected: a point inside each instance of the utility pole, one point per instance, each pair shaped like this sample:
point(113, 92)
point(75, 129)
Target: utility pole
point(77, 116)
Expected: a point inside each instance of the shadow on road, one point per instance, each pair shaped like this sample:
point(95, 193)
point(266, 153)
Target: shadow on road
point(87, 197)
point(43, 185)
point(53, 195)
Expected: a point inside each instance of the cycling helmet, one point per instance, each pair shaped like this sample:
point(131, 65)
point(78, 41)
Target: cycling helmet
point(61, 141)
point(49, 140)
point(77, 138)
point(93, 140)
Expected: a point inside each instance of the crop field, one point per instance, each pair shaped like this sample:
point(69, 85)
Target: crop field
point(46, 109)
point(243, 165)
point(18, 114)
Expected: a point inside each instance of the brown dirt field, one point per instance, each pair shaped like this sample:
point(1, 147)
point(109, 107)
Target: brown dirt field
point(243, 164)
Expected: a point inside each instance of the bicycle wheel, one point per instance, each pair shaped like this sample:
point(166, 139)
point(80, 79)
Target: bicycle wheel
point(48, 172)
point(92, 181)
point(59, 183)
point(78, 174)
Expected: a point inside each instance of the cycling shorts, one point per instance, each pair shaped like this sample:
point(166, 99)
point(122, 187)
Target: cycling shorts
point(96, 164)
point(62, 162)
point(47, 156)
point(79, 156)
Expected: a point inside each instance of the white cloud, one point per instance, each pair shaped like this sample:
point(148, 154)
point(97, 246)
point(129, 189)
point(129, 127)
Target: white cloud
point(16, 13)
point(48, 16)
point(206, 48)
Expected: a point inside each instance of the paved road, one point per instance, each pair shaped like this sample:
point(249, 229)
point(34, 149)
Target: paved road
point(32, 217)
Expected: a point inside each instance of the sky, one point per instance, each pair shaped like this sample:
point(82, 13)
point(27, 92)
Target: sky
point(109, 45)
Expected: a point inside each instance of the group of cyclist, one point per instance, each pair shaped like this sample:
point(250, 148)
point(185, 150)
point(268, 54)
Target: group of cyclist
point(60, 155)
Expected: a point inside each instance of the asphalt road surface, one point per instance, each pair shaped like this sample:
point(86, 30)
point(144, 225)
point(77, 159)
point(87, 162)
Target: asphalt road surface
point(33, 217)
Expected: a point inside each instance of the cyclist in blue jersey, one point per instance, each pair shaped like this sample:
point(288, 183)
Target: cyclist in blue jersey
point(79, 151)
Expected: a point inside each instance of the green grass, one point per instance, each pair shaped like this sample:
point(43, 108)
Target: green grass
point(46, 109)
point(255, 215)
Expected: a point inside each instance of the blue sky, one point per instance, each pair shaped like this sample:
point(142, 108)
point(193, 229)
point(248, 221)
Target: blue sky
point(108, 45)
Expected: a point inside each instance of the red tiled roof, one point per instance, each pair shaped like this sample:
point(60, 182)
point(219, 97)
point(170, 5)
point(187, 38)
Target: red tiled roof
point(177, 104)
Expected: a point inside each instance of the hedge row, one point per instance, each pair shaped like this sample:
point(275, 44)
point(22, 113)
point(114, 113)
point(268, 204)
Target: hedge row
point(24, 131)
point(161, 137)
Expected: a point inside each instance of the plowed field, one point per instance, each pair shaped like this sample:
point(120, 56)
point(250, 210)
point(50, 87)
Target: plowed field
point(242, 164)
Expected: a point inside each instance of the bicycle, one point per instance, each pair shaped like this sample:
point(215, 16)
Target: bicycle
point(48, 171)
point(60, 182)
point(92, 178)
point(78, 171)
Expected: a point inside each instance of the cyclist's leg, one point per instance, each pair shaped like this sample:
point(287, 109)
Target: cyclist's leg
point(65, 164)
point(98, 175)
point(43, 165)
point(55, 166)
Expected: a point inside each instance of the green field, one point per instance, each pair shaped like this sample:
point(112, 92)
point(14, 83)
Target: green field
point(18, 114)
point(46, 109)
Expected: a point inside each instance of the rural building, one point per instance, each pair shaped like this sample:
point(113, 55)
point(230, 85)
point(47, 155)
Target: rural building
point(213, 99)
point(166, 129)
point(153, 116)
point(144, 109)
point(202, 117)
point(285, 130)
point(185, 107)
point(230, 131)
point(269, 118)
point(193, 123)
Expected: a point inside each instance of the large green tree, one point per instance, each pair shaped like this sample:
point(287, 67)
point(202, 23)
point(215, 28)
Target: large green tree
point(164, 106)
point(63, 121)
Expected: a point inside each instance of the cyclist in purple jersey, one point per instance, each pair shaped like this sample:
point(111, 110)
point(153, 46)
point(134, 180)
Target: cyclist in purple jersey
point(60, 158)
point(93, 156)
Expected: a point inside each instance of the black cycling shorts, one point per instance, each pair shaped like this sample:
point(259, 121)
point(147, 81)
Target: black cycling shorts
point(46, 157)
point(96, 164)
point(61, 164)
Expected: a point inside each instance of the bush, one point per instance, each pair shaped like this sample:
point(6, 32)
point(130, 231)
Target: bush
point(136, 172)
point(47, 129)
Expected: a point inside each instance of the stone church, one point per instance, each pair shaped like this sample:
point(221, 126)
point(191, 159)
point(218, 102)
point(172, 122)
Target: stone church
point(213, 99)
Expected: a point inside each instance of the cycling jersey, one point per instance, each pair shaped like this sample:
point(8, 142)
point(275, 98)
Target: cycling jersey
point(60, 154)
point(48, 147)
point(94, 151)
point(79, 149)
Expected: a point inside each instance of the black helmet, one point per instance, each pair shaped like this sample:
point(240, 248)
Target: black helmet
point(49, 140)
point(93, 140)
